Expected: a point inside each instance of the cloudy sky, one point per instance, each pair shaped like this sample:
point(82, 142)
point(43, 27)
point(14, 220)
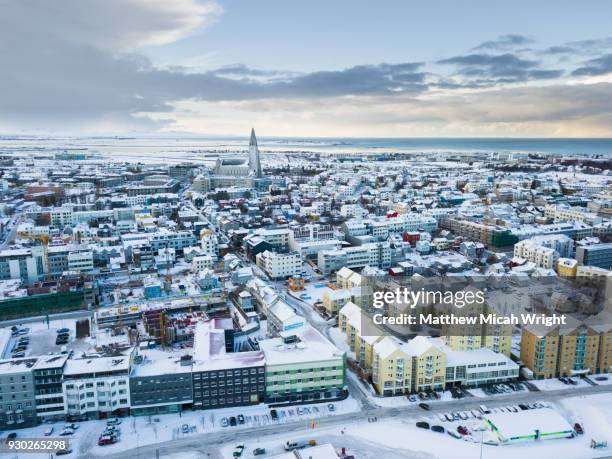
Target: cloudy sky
point(392, 68)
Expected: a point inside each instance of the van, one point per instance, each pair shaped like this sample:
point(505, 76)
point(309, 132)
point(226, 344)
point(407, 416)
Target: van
point(299, 444)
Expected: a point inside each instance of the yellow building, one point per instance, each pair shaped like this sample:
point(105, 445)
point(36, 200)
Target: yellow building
point(347, 278)
point(468, 337)
point(602, 325)
point(334, 300)
point(400, 368)
point(566, 350)
point(361, 333)
point(567, 267)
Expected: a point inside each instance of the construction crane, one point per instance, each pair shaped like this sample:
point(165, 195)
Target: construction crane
point(44, 240)
point(486, 215)
point(168, 276)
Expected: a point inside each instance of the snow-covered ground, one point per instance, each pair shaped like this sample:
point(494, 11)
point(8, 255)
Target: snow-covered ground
point(402, 439)
point(146, 430)
point(313, 292)
point(555, 384)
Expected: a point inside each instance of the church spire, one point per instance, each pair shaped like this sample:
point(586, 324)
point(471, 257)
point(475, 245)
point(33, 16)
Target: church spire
point(254, 163)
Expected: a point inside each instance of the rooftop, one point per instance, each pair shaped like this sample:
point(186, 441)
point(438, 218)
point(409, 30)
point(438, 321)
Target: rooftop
point(312, 347)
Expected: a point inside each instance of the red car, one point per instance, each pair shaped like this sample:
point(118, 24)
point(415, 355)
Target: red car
point(463, 430)
point(578, 429)
point(106, 440)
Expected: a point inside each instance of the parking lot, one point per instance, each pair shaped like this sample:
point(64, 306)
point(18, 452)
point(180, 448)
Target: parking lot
point(468, 424)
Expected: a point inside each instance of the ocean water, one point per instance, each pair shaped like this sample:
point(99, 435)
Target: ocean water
point(190, 147)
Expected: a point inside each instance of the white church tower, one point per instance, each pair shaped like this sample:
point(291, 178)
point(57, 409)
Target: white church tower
point(254, 164)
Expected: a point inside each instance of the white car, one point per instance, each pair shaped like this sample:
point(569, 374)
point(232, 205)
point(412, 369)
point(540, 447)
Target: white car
point(48, 431)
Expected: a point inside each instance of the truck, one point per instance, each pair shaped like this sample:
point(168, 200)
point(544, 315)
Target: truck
point(298, 444)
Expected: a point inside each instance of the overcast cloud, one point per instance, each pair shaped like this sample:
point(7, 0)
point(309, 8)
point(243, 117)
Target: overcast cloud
point(82, 64)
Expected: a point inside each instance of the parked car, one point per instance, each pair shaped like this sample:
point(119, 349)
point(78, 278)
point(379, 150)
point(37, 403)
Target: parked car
point(331, 407)
point(422, 425)
point(106, 440)
point(11, 436)
point(578, 429)
point(71, 426)
point(232, 420)
point(48, 431)
point(185, 428)
point(523, 407)
point(463, 430)
point(113, 422)
point(299, 444)
point(238, 451)
point(259, 451)
point(224, 422)
point(63, 452)
point(439, 429)
point(424, 406)
point(66, 432)
point(274, 415)
point(240, 419)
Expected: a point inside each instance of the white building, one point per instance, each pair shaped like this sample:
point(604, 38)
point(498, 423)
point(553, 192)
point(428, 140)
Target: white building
point(202, 262)
point(80, 261)
point(371, 254)
point(209, 243)
point(530, 250)
point(95, 387)
point(280, 265)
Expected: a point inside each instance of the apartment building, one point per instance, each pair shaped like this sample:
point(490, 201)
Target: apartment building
point(222, 378)
point(370, 254)
point(347, 278)
point(598, 255)
point(542, 257)
point(209, 243)
point(201, 263)
point(403, 367)
point(566, 350)
point(159, 383)
point(280, 265)
point(308, 240)
point(173, 240)
point(26, 264)
point(496, 337)
point(334, 300)
point(303, 366)
point(361, 334)
point(17, 394)
point(48, 375)
point(96, 387)
point(563, 213)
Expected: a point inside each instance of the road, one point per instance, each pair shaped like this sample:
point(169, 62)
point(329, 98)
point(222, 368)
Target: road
point(211, 443)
